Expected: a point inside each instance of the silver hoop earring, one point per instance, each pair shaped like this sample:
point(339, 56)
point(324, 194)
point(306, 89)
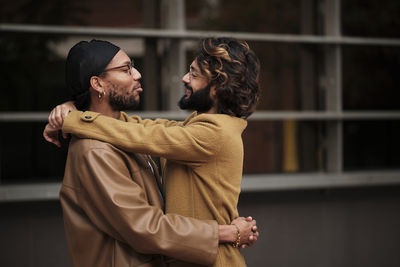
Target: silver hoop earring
point(102, 94)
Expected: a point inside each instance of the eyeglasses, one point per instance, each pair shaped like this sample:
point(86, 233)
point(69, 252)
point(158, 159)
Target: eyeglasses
point(193, 73)
point(129, 67)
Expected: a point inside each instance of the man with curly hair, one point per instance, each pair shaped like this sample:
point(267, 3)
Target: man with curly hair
point(204, 153)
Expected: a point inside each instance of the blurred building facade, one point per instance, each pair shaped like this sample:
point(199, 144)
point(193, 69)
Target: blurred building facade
point(322, 153)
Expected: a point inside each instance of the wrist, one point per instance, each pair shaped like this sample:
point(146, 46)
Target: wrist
point(236, 243)
point(227, 233)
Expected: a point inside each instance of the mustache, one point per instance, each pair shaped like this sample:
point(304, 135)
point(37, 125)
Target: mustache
point(188, 87)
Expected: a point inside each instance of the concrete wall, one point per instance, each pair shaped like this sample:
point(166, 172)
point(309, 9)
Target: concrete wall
point(324, 228)
point(32, 235)
point(341, 228)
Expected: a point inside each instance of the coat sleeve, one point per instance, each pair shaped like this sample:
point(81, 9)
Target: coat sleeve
point(149, 122)
point(117, 205)
point(192, 143)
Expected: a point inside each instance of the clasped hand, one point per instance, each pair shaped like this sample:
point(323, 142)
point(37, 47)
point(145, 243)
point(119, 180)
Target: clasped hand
point(56, 120)
point(248, 231)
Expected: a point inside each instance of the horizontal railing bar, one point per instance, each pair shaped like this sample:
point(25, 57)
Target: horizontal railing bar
point(257, 116)
point(325, 115)
point(29, 192)
point(251, 183)
point(189, 34)
point(301, 181)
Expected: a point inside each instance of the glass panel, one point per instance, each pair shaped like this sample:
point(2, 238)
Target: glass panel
point(273, 16)
point(288, 76)
point(31, 73)
point(371, 145)
point(371, 78)
point(121, 13)
point(371, 18)
point(282, 146)
point(26, 157)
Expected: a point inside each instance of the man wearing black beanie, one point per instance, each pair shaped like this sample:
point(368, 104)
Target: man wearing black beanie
point(111, 199)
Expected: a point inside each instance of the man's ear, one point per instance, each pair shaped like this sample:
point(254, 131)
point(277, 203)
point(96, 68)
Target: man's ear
point(97, 84)
point(213, 93)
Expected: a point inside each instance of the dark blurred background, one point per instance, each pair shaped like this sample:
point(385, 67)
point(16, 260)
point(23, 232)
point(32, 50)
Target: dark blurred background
point(322, 153)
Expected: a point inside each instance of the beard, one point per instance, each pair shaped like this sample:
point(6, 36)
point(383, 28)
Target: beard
point(120, 101)
point(199, 101)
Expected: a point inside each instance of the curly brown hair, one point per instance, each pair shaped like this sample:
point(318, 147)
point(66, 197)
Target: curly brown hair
point(233, 68)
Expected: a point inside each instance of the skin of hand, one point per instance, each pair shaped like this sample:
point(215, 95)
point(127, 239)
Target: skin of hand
point(248, 231)
point(51, 135)
point(56, 120)
point(59, 113)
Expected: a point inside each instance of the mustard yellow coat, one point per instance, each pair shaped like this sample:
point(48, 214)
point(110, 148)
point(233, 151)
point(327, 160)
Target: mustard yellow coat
point(204, 164)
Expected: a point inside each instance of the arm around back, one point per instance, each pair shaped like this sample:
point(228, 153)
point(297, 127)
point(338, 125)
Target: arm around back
point(148, 122)
point(194, 142)
point(118, 206)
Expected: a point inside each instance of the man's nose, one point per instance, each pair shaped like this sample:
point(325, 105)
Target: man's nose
point(136, 74)
point(185, 78)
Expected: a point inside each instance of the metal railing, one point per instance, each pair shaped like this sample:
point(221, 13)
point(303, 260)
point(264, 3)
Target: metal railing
point(257, 116)
point(188, 34)
point(251, 183)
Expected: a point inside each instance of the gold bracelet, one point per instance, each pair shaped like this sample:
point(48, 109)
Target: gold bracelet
point(237, 242)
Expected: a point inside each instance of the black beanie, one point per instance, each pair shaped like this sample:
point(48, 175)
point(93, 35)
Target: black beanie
point(87, 59)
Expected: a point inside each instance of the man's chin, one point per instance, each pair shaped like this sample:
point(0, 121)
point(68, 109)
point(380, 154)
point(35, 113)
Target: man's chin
point(183, 103)
point(132, 105)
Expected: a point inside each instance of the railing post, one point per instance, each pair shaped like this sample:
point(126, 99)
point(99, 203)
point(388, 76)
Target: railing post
point(174, 53)
point(332, 86)
point(151, 69)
